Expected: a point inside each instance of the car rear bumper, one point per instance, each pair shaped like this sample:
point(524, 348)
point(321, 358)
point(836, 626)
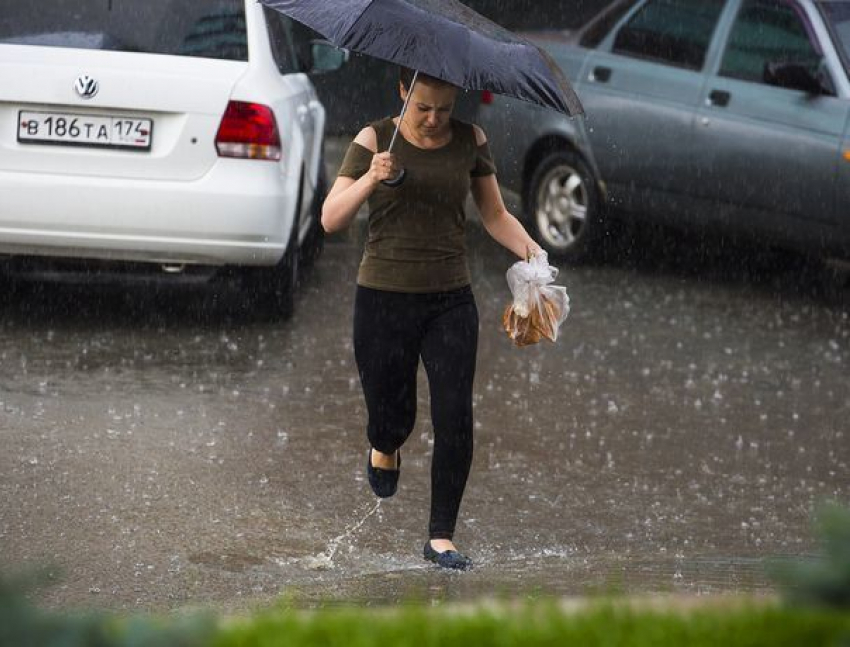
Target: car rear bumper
point(240, 213)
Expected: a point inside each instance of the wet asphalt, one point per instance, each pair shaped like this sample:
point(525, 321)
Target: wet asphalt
point(163, 448)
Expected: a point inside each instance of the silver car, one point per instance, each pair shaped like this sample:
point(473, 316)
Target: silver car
point(732, 113)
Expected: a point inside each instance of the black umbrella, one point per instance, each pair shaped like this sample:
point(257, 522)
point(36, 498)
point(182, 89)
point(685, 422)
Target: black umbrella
point(442, 38)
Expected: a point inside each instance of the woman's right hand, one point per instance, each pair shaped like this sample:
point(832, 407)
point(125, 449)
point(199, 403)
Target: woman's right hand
point(383, 167)
point(347, 195)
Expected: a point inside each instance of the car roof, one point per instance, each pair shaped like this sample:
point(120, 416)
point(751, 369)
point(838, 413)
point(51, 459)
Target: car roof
point(576, 36)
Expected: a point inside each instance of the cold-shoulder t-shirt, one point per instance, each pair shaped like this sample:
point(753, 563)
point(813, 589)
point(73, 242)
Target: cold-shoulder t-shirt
point(416, 240)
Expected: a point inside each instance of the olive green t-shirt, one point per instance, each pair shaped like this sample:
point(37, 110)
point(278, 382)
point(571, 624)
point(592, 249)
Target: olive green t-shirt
point(416, 240)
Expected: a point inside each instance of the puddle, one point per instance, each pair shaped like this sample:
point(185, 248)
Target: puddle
point(325, 560)
point(679, 432)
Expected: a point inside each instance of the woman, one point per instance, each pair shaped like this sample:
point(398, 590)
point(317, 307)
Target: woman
point(413, 288)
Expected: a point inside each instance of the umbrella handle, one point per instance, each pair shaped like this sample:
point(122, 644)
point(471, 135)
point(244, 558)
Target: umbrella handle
point(396, 181)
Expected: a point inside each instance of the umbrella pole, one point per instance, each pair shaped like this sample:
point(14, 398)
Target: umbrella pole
point(403, 111)
point(400, 178)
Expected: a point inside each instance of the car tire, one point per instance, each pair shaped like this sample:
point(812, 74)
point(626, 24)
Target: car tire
point(313, 246)
point(282, 297)
point(272, 289)
point(563, 207)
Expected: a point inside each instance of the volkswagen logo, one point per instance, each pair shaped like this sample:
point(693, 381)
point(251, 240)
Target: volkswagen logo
point(86, 86)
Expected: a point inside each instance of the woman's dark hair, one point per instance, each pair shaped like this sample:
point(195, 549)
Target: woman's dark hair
point(405, 75)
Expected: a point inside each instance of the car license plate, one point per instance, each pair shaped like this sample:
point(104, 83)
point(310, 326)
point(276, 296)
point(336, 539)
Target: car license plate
point(84, 130)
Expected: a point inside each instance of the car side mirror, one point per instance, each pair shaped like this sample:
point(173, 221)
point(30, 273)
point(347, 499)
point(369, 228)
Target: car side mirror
point(793, 76)
point(326, 57)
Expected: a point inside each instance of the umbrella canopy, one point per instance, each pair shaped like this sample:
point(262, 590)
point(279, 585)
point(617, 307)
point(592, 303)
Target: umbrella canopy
point(442, 38)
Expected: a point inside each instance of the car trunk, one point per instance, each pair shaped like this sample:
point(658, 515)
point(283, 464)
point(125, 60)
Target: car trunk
point(183, 97)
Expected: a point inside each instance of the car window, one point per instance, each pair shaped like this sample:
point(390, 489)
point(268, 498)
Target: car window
point(597, 30)
point(209, 29)
point(837, 15)
point(290, 41)
point(280, 37)
point(675, 32)
point(767, 31)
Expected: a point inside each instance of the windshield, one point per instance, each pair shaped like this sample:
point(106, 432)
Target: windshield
point(837, 15)
point(209, 28)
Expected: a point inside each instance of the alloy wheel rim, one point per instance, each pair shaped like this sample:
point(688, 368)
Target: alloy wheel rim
point(562, 205)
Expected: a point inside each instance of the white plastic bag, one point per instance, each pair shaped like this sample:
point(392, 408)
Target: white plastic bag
point(538, 308)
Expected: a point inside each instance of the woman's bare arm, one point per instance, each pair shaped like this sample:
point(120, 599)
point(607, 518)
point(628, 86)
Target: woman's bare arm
point(498, 221)
point(347, 195)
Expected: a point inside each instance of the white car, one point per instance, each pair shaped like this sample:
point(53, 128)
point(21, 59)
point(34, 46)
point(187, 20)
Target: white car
point(174, 136)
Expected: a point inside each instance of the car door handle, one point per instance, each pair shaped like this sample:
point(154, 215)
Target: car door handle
point(719, 98)
point(601, 74)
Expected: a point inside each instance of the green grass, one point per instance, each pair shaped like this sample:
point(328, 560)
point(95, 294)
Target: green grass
point(544, 624)
point(816, 613)
point(22, 624)
point(823, 580)
point(735, 622)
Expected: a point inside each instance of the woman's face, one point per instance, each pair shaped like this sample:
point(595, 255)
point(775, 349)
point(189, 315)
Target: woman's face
point(430, 108)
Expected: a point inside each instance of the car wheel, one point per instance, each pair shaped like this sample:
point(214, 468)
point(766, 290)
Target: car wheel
point(282, 299)
point(563, 207)
point(273, 288)
point(313, 246)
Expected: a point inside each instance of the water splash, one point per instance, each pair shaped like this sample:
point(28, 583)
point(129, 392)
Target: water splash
point(324, 561)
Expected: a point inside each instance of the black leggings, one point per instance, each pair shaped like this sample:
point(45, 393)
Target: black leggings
point(392, 331)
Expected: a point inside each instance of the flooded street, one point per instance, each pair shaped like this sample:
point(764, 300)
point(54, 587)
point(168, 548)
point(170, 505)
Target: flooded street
point(164, 449)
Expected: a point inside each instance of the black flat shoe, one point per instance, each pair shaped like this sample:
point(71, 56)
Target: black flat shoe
point(447, 559)
point(384, 482)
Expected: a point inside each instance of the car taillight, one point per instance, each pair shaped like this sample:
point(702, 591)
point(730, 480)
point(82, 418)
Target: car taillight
point(486, 97)
point(249, 131)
